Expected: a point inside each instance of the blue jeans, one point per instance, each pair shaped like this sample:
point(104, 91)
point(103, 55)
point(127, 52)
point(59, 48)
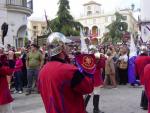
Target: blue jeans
point(31, 74)
point(18, 80)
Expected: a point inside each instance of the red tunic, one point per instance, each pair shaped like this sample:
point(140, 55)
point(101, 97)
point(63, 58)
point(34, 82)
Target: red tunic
point(5, 95)
point(140, 63)
point(147, 83)
point(98, 80)
point(55, 88)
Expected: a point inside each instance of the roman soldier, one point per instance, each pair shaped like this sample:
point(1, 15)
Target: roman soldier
point(5, 96)
point(98, 81)
point(147, 83)
point(63, 85)
point(141, 61)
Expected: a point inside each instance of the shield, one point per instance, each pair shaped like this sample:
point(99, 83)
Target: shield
point(86, 62)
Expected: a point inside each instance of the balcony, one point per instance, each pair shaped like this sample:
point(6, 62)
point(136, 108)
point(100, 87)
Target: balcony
point(20, 6)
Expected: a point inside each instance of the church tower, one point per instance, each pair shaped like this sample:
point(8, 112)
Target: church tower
point(92, 8)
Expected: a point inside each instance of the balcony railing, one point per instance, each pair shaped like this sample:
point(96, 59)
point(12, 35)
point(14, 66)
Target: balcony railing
point(20, 3)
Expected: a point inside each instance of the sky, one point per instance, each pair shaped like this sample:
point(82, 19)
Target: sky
point(76, 6)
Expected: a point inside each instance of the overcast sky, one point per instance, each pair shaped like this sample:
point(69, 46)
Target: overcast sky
point(51, 6)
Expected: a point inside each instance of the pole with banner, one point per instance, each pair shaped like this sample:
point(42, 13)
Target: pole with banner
point(48, 25)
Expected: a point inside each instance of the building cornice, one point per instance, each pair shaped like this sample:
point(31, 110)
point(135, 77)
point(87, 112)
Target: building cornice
point(20, 9)
point(91, 2)
point(105, 15)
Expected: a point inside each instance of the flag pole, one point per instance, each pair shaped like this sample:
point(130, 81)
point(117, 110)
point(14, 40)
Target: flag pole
point(48, 26)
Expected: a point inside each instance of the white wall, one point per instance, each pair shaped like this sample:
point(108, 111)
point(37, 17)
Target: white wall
point(15, 21)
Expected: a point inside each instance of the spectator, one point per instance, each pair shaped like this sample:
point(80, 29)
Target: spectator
point(18, 74)
point(34, 63)
point(110, 70)
point(123, 66)
point(24, 69)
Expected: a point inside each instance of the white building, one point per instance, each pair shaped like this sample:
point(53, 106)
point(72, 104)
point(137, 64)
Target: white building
point(95, 20)
point(145, 20)
point(36, 27)
point(15, 13)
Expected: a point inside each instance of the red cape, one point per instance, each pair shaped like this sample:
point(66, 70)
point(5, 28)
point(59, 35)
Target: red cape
point(5, 95)
point(98, 80)
point(140, 63)
point(55, 88)
point(147, 82)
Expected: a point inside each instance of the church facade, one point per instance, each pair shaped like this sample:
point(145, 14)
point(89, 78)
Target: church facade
point(95, 20)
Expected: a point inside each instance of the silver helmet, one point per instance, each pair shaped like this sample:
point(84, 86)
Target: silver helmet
point(56, 43)
point(143, 49)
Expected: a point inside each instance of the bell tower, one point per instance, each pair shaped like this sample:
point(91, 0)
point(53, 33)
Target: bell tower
point(92, 8)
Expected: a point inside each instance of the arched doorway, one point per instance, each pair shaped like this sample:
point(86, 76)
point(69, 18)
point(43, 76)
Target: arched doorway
point(95, 31)
point(21, 34)
point(86, 31)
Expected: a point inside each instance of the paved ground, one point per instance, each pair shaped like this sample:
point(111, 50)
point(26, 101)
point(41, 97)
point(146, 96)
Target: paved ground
point(122, 100)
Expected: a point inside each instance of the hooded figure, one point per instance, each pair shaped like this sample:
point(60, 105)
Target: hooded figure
point(62, 85)
point(131, 67)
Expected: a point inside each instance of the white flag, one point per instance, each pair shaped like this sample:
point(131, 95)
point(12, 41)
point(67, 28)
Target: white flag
point(145, 29)
point(84, 48)
point(133, 49)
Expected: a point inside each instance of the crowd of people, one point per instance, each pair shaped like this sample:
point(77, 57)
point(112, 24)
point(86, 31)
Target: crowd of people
point(26, 69)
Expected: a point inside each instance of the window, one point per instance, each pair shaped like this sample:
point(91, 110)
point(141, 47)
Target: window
point(106, 19)
point(89, 13)
point(97, 12)
point(112, 18)
point(20, 42)
point(34, 33)
point(89, 7)
point(34, 27)
point(43, 28)
point(125, 17)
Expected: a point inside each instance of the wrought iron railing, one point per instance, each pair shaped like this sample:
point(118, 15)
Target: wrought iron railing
point(21, 3)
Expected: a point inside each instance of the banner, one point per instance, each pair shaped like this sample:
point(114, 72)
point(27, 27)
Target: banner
point(86, 62)
point(145, 32)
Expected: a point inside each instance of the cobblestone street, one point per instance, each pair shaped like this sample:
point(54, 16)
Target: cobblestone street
point(124, 99)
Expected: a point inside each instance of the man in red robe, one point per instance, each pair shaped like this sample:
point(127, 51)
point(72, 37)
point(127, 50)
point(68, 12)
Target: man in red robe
point(98, 81)
point(140, 63)
point(5, 95)
point(147, 83)
point(62, 85)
